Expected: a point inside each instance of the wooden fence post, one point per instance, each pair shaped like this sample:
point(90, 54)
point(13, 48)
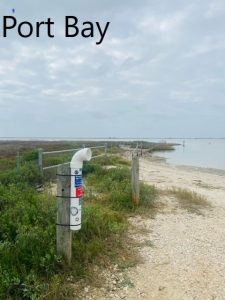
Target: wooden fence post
point(63, 232)
point(40, 159)
point(135, 179)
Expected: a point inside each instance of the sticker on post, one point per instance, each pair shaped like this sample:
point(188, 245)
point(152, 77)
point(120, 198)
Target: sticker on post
point(78, 172)
point(74, 211)
point(78, 192)
point(78, 181)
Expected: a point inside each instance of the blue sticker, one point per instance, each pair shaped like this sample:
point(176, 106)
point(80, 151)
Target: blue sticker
point(78, 181)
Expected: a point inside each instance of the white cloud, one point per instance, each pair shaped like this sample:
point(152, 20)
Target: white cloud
point(215, 8)
point(159, 61)
point(165, 26)
point(209, 44)
point(184, 96)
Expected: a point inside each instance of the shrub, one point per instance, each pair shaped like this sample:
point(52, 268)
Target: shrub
point(30, 156)
point(27, 241)
point(29, 174)
point(99, 224)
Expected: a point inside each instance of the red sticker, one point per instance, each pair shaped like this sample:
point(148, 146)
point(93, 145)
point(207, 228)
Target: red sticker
point(78, 192)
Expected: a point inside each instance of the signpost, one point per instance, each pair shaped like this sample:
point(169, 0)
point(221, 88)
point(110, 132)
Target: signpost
point(76, 201)
point(76, 187)
point(69, 195)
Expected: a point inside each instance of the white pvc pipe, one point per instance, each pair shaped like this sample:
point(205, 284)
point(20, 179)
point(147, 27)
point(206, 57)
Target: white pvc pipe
point(76, 192)
point(79, 157)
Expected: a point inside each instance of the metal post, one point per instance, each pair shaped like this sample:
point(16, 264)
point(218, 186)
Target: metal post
point(106, 146)
point(63, 232)
point(40, 159)
point(135, 180)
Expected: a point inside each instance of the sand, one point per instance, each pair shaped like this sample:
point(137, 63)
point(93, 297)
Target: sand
point(183, 253)
point(187, 260)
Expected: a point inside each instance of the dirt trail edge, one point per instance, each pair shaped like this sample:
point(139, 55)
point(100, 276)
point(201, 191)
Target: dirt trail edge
point(183, 253)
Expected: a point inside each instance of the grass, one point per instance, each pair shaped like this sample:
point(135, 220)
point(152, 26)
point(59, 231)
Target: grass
point(162, 147)
point(190, 201)
point(28, 150)
point(29, 265)
point(27, 241)
point(113, 187)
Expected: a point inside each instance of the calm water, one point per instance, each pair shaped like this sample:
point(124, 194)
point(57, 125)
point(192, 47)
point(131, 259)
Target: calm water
point(208, 153)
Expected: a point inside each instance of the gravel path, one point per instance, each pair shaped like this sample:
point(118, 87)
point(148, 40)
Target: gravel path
point(183, 254)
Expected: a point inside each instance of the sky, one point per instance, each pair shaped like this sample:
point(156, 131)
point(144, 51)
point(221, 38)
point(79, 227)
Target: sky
point(160, 71)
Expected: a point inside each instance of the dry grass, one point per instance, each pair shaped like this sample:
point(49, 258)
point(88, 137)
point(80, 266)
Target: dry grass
point(190, 201)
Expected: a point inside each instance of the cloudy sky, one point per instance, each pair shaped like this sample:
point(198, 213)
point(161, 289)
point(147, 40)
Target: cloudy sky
point(160, 71)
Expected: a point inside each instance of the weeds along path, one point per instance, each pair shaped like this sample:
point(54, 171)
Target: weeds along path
point(183, 246)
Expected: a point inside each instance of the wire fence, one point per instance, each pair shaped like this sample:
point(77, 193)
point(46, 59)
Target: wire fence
point(42, 153)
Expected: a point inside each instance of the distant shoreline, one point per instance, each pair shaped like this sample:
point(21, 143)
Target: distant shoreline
point(156, 158)
point(104, 138)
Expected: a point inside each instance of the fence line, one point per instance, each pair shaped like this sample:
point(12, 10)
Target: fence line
point(69, 150)
point(41, 153)
point(54, 166)
point(60, 151)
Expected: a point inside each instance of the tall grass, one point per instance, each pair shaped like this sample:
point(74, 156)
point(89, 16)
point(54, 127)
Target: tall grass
point(29, 265)
point(113, 187)
point(190, 201)
point(27, 241)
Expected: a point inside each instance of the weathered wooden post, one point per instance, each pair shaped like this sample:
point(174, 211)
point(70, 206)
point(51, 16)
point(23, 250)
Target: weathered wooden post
point(135, 179)
point(69, 204)
point(40, 159)
point(63, 232)
point(106, 146)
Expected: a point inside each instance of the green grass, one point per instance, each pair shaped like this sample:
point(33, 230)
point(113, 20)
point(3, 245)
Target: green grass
point(7, 164)
point(27, 241)
point(29, 265)
point(28, 175)
point(162, 147)
point(113, 187)
point(112, 160)
point(28, 259)
point(190, 201)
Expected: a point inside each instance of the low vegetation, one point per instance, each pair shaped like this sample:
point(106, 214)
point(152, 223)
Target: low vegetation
point(29, 265)
point(190, 201)
point(162, 147)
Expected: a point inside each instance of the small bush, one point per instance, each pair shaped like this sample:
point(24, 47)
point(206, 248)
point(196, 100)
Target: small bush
point(30, 156)
point(29, 174)
point(190, 200)
point(98, 226)
point(115, 187)
point(27, 242)
point(148, 195)
point(28, 257)
point(112, 160)
point(7, 164)
point(90, 168)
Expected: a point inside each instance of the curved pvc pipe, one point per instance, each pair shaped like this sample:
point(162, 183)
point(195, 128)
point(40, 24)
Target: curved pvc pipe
point(79, 157)
point(76, 191)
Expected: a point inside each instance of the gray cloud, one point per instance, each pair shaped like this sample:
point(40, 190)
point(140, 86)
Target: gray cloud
point(159, 71)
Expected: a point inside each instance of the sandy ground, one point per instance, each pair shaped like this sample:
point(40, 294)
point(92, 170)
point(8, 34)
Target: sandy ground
point(183, 253)
point(187, 260)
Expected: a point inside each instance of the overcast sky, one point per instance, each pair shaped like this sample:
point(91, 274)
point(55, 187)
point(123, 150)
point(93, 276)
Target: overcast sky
point(160, 71)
